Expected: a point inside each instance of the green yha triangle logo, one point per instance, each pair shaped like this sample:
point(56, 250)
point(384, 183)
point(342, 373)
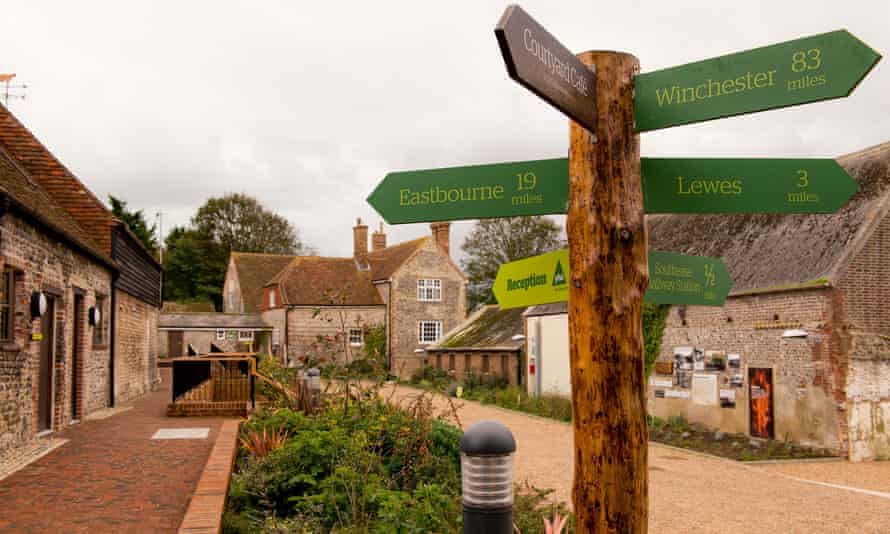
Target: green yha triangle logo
point(559, 277)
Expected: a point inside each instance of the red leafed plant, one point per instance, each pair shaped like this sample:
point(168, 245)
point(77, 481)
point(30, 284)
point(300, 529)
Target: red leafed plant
point(262, 443)
point(555, 525)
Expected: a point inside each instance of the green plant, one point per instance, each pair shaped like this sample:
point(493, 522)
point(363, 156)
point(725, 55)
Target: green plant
point(654, 319)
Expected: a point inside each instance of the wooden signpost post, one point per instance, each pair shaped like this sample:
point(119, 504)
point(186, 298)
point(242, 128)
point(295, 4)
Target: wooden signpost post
point(605, 189)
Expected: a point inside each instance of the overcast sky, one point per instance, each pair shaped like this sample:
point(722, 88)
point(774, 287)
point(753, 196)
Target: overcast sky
point(306, 105)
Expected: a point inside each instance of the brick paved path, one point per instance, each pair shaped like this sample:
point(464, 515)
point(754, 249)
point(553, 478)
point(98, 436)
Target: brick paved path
point(694, 493)
point(111, 477)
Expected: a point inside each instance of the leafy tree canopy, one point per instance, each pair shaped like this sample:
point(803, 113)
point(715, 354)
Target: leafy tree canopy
point(197, 256)
point(135, 220)
point(493, 242)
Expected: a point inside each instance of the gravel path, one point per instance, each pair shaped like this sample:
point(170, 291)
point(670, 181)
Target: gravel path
point(696, 493)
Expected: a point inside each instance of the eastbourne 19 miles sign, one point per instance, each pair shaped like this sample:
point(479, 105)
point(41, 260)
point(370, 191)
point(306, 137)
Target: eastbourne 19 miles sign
point(541, 64)
point(673, 279)
point(820, 67)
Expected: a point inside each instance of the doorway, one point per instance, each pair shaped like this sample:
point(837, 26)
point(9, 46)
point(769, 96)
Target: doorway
point(760, 400)
point(76, 357)
point(174, 343)
point(47, 356)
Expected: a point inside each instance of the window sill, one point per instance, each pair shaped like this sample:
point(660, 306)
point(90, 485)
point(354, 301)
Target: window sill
point(100, 346)
point(8, 346)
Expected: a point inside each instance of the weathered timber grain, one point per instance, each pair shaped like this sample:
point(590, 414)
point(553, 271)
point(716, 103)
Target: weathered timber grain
point(609, 275)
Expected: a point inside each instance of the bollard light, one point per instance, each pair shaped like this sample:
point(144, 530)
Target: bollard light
point(314, 378)
point(486, 465)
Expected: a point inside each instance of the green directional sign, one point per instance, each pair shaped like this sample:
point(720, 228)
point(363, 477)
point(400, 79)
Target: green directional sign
point(670, 185)
point(821, 67)
point(717, 185)
point(476, 192)
point(673, 279)
point(681, 279)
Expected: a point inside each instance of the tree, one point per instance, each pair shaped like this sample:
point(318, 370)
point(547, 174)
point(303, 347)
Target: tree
point(135, 220)
point(493, 242)
point(239, 222)
point(197, 256)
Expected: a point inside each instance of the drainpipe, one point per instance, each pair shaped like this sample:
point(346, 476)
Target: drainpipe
point(388, 326)
point(111, 347)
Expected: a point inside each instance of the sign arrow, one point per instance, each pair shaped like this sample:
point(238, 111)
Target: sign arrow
point(716, 185)
point(821, 67)
point(475, 192)
point(541, 64)
point(670, 185)
point(673, 279)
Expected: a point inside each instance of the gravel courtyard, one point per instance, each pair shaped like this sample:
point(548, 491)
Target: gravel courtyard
point(695, 493)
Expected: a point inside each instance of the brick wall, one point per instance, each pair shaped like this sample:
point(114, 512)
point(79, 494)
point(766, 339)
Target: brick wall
point(808, 387)
point(136, 347)
point(305, 325)
point(46, 264)
point(503, 365)
point(407, 311)
point(864, 297)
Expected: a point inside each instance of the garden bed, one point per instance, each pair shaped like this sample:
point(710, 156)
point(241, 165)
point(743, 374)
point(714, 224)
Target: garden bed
point(674, 431)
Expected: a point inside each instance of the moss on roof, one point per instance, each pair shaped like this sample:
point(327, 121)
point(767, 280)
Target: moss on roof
point(491, 327)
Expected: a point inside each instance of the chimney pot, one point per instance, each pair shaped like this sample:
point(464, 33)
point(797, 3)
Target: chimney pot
point(442, 235)
point(360, 242)
point(378, 240)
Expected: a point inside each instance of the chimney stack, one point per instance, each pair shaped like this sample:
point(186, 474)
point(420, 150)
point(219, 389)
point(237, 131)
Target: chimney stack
point(442, 235)
point(360, 242)
point(378, 240)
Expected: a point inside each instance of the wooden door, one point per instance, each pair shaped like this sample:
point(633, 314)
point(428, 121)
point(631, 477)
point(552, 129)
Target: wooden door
point(76, 355)
point(174, 343)
point(47, 355)
point(760, 399)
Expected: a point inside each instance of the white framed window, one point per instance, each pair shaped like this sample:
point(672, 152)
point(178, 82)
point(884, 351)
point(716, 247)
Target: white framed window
point(245, 335)
point(220, 334)
point(272, 298)
point(429, 290)
point(355, 337)
point(429, 332)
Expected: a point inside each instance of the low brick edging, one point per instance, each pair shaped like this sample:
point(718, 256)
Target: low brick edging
point(205, 511)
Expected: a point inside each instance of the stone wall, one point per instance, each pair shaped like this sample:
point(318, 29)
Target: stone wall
point(865, 287)
point(305, 325)
point(806, 386)
point(407, 311)
point(136, 347)
point(43, 263)
point(231, 297)
point(500, 365)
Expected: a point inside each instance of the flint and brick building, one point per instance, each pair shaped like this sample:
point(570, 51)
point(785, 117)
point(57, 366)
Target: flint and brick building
point(320, 307)
point(801, 350)
point(95, 342)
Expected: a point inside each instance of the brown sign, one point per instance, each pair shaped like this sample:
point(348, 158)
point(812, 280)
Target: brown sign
point(545, 67)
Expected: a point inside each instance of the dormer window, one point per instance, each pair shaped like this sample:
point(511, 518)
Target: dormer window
point(429, 290)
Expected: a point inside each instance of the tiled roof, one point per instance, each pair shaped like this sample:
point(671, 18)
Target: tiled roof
point(231, 321)
point(29, 197)
point(315, 281)
point(254, 270)
point(187, 307)
point(385, 262)
point(489, 328)
point(60, 183)
point(764, 251)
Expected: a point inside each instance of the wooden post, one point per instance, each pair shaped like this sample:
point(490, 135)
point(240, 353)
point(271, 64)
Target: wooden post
point(609, 275)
